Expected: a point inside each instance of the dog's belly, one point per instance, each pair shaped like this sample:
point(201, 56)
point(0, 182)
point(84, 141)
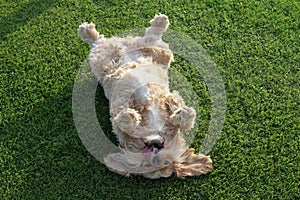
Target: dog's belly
point(139, 89)
point(136, 82)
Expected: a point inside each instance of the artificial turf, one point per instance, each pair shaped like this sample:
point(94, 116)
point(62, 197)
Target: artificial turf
point(255, 46)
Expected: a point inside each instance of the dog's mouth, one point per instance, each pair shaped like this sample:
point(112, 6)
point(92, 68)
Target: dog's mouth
point(152, 146)
point(148, 151)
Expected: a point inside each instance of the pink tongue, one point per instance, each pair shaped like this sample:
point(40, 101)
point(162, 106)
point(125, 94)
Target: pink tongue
point(147, 152)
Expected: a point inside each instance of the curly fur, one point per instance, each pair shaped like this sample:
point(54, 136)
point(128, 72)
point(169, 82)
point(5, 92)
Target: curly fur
point(133, 73)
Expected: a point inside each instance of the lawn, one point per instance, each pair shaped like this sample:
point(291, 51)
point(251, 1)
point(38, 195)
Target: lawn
point(255, 46)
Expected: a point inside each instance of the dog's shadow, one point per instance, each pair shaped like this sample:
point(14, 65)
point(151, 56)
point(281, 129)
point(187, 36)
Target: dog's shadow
point(49, 159)
point(23, 15)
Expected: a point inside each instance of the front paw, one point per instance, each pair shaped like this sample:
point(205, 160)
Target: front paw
point(184, 118)
point(127, 120)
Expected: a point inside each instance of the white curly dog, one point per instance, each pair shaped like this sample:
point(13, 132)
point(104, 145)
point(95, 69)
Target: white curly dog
point(146, 117)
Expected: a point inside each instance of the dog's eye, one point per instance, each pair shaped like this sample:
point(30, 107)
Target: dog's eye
point(148, 165)
point(166, 162)
point(155, 160)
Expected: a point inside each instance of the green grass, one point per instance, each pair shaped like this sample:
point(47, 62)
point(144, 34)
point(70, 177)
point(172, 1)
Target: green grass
point(255, 45)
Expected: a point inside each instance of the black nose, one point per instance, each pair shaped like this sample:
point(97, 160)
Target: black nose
point(155, 143)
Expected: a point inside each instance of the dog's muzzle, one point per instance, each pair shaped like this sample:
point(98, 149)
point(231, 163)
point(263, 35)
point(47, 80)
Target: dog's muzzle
point(152, 146)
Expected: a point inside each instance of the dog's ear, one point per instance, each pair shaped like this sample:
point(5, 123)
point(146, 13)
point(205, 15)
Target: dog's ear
point(181, 115)
point(191, 164)
point(128, 163)
point(122, 163)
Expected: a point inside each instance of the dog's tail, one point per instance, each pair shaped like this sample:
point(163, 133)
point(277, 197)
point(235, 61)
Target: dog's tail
point(88, 33)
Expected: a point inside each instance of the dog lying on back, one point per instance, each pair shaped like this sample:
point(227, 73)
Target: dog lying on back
point(146, 117)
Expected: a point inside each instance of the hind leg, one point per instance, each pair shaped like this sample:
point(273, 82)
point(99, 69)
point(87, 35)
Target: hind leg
point(155, 47)
point(159, 25)
point(88, 33)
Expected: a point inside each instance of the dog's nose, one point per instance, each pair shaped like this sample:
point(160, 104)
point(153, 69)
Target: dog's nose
point(155, 143)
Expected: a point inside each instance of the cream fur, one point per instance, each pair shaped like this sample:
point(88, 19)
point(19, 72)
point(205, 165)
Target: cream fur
point(133, 73)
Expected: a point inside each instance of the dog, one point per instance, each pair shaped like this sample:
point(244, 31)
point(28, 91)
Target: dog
point(146, 117)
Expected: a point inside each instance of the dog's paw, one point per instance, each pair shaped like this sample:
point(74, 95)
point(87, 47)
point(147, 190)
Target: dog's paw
point(184, 118)
point(160, 21)
point(88, 33)
point(86, 27)
point(127, 120)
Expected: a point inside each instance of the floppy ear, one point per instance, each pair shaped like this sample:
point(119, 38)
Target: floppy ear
point(191, 164)
point(123, 163)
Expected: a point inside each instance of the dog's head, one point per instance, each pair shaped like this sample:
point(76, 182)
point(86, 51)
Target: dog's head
point(155, 147)
point(155, 161)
